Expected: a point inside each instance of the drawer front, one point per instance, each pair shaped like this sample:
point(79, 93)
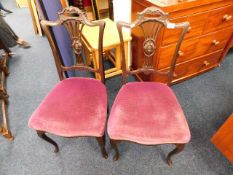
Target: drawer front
point(220, 18)
point(190, 68)
point(195, 47)
point(197, 23)
point(198, 65)
point(231, 42)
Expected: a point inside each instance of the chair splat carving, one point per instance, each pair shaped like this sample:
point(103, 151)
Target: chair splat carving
point(73, 19)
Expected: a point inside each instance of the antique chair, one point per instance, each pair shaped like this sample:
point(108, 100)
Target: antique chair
point(76, 106)
point(147, 112)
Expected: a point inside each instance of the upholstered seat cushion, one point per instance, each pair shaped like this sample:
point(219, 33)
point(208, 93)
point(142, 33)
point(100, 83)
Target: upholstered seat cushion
point(147, 113)
point(74, 107)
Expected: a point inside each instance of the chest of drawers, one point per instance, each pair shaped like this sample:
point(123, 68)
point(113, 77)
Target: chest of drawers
point(205, 44)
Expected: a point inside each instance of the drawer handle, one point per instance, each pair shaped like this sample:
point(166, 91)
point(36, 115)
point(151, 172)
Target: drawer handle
point(215, 42)
point(206, 63)
point(227, 17)
point(189, 29)
point(180, 53)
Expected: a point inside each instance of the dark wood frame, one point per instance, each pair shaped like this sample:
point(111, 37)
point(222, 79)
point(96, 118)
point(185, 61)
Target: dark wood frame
point(160, 20)
point(74, 20)
point(4, 72)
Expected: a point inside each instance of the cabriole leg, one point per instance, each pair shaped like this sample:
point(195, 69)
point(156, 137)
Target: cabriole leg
point(42, 135)
point(178, 149)
point(114, 146)
point(101, 142)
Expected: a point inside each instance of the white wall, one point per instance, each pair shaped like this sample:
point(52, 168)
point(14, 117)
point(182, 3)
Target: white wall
point(122, 12)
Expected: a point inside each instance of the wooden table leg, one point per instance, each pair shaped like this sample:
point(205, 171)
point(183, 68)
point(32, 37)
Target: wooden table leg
point(126, 45)
point(96, 63)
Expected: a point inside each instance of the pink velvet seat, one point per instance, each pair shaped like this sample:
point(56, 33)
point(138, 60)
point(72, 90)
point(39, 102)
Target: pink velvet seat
point(147, 113)
point(74, 107)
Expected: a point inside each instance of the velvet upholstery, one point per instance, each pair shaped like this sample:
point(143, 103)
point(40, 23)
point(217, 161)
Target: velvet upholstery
point(147, 113)
point(61, 35)
point(74, 107)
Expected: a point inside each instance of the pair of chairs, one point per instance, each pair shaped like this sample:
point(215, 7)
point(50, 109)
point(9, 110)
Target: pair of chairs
point(143, 112)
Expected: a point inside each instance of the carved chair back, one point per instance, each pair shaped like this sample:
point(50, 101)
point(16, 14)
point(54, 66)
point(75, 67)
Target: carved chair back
point(73, 19)
point(150, 23)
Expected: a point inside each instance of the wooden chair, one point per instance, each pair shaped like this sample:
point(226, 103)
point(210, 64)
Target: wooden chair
point(147, 112)
point(111, 41)
point(76, 106)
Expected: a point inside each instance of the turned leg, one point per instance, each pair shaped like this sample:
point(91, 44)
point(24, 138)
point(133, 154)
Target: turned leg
point(179, 148)
point(101, 142)
point(42, 135)
point(114, 146)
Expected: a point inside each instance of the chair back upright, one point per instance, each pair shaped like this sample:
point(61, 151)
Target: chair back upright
point(73, 20)
point(149, 24)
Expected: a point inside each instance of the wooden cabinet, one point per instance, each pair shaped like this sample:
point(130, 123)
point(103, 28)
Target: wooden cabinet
point(205, 44)
point(223, 139)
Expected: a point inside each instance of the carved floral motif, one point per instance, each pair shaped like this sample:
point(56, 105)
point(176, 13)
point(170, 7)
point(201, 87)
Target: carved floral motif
point(149, 47)
point(77, 46)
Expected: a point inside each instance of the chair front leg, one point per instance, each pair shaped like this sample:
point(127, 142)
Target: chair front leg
point(42, 135)
point(178, 149)
point(101, 141)
point(114, 146)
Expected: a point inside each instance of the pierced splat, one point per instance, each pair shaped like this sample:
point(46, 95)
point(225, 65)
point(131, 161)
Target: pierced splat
point(73, 28)
point(74, 20)
point(147, 28)
point(150, 31)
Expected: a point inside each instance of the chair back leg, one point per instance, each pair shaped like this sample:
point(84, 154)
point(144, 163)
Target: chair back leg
point(42, 135)
point(114, 146)
point(179, 148)
point(101, 141)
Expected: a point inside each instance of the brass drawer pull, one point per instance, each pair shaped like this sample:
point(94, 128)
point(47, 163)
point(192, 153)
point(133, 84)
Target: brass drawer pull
point(180, 53)
point(215, 42)
point(189, 29)
point(206, 63)
point(227, 17)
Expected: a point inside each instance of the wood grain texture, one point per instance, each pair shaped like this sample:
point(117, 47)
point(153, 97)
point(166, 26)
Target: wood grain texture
point(195, 47)
point(223, 139)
